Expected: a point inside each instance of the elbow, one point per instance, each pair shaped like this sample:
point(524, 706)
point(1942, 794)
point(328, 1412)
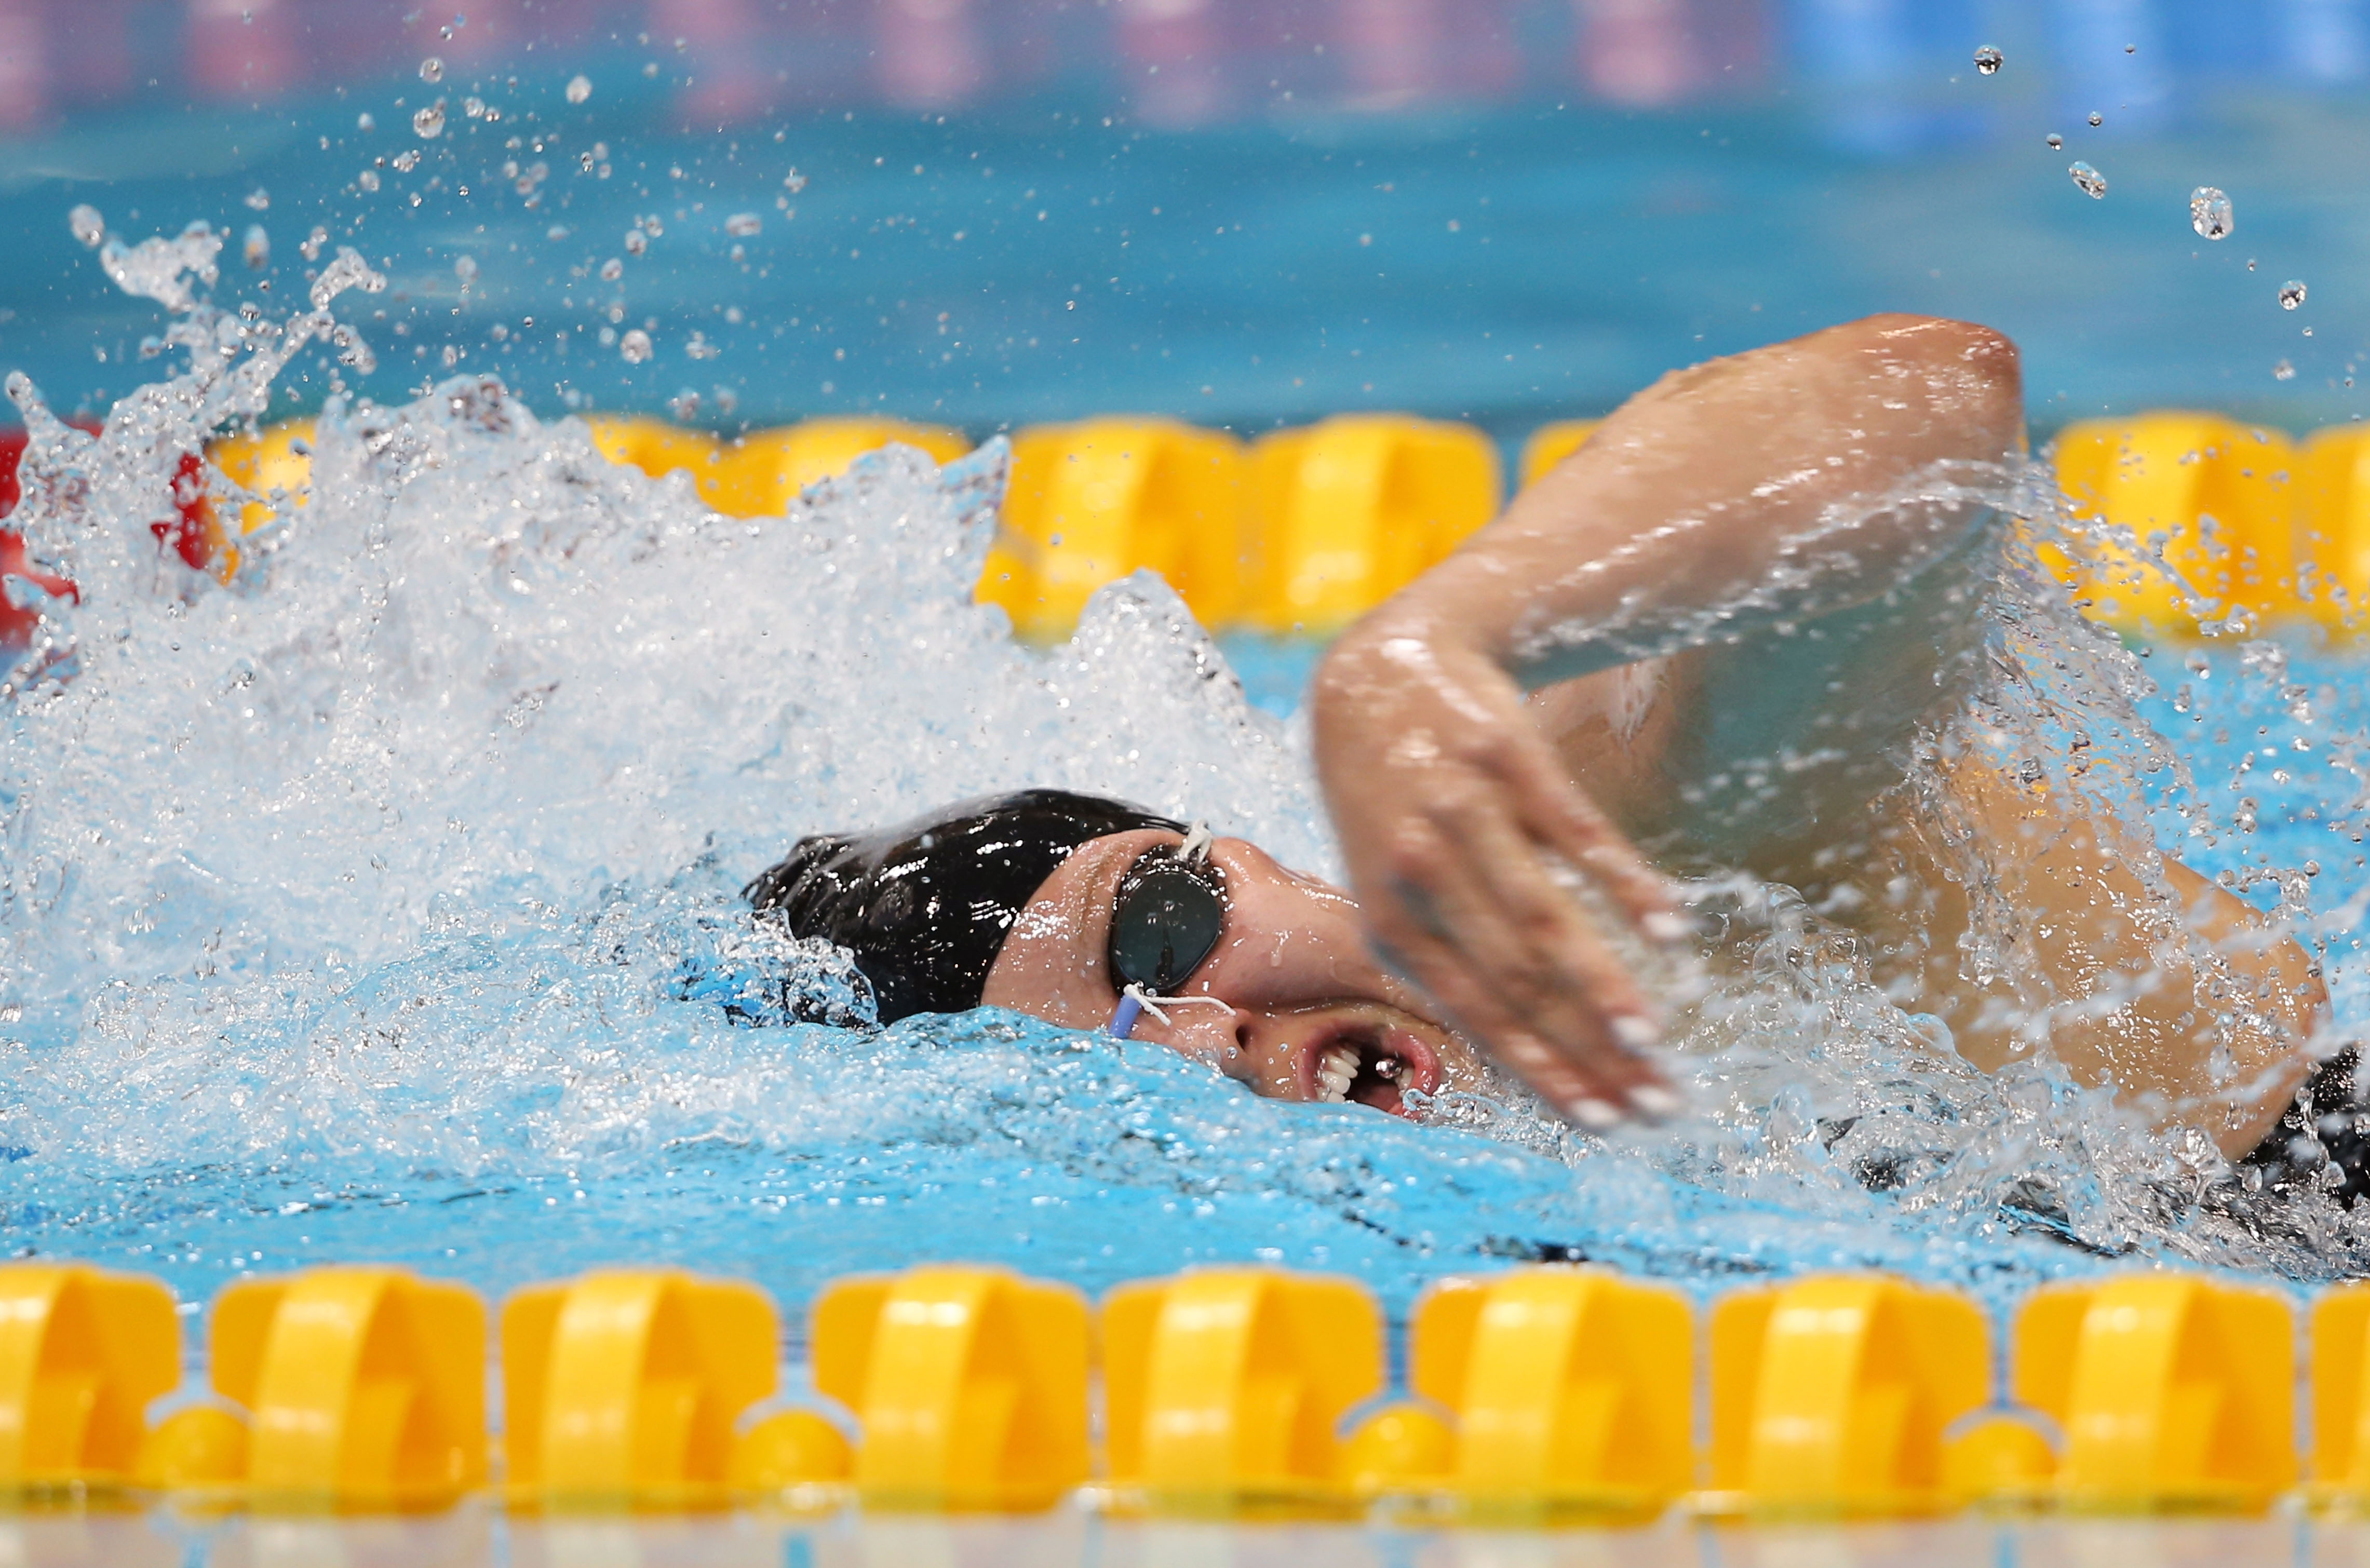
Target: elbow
point(1970, 375)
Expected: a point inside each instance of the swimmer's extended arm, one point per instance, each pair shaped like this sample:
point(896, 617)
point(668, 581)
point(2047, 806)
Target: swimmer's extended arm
point(2195, 1002)
point(1697, 494)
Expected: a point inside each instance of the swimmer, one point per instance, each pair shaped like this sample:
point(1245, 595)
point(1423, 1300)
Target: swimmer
point(1702, 642)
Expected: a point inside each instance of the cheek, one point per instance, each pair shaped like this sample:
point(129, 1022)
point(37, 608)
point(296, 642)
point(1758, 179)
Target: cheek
point(1209, 1038)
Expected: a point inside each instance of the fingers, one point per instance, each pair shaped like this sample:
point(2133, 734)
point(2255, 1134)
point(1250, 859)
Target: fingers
point(1565, 1081)
point(1486, 929)
point(1562, 817)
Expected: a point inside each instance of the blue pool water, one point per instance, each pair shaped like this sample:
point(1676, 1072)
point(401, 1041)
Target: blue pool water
point(382, 906)
point(1030, 261)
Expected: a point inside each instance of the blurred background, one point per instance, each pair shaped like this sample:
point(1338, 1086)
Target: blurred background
point(1248, 213)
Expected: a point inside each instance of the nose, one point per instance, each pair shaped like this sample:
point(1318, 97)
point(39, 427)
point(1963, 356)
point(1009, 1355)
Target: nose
point(1294, 939)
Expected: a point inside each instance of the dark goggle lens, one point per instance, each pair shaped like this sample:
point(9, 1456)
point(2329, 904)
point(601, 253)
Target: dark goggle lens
point(1165, 920)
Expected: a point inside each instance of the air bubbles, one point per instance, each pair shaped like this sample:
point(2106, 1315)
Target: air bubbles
point(2283, 371)
point(580, 87)
point(743, 224)
point(430, 122)
point(88, 225)
point(256, 248)
point(2210, 214)
point(258, 200)
point(2097, 119)
point(557, 232)
point(1988, 60)
point(432, 69)
point(794, 182)
point(2292, 293)
point(2056, 140)
point(637, 242)
point(2090, 182)
point(466, 268)
point(365, 122)
point(474, 108)
point(367, 179)
point(635, 347)
point(406, 161)
point(612, 269)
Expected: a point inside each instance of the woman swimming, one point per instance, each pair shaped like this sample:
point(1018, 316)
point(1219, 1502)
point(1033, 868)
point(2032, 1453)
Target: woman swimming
point(1736, 629)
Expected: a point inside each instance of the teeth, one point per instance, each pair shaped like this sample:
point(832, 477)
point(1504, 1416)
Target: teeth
point(1336, 1070)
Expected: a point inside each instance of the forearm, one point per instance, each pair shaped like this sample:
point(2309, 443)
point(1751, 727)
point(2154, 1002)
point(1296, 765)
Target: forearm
point(2122, 950)
point(1730, 498)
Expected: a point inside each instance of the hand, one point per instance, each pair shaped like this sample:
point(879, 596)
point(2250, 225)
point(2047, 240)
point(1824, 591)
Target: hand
point(1453, 810)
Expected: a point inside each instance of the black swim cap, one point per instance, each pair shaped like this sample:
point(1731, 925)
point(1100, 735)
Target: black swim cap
point(925, 905)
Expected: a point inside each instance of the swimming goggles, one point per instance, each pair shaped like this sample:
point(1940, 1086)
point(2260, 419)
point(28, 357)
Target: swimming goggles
point(1165, 920)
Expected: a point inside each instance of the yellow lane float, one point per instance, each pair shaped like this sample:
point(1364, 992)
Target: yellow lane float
point(364, 1391)
point(1307, 529)
point(1093, 501)
point(2174, 1392)
point(1836, 1395)
point(83, 1352)
point(1542, 1394)
point(1564, 1392)
point(1223, 1389)
point(1351, 509)
point(970, 1385)
point(624, 1387)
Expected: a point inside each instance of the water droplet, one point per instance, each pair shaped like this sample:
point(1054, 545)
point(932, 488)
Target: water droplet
point(2131, 49)
point(744, 223)
point(2291, 293)
point(1988, 60)
point(407, 160)
point(432, 69)
point(367, 179)
point(2097, 119)
point(637, 242)
point(257, 247)
point(365, 122)
point(636, 346)
point(2283, 371)
point(2092, 183)
point(430, 122)
point(794, 181)
point(466, 268)
point(86, 225)
point(474, 108)
point(2210, 214)
point(258, 200)
point(612, 269)
point(2056, 140)
point(578, 88)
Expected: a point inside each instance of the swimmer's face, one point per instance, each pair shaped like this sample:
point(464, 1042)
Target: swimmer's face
point(1291, 999)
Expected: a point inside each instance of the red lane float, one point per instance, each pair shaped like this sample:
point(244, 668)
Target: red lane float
point(188, 533)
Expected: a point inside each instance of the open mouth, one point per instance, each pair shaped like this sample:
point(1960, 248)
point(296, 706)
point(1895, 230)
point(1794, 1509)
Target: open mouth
point(1368, 1064)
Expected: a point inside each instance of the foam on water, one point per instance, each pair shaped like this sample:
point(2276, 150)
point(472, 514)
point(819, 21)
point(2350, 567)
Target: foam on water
point(382, 903)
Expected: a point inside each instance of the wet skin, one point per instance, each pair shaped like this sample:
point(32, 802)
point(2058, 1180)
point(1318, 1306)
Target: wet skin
point(1484, 726)
point(1470, 751)
point(1290, 984)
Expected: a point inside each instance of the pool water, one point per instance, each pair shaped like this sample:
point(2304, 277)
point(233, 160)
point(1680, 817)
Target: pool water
point(383, 904)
